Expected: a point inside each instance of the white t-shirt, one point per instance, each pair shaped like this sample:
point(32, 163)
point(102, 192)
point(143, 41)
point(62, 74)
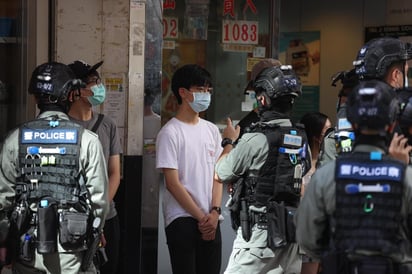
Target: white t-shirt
point(193, 150)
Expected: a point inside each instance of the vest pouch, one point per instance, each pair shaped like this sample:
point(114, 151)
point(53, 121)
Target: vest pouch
point(73, 229)
point(46, 227)
point(290, 224)
point(234, 203)
point(276, 220)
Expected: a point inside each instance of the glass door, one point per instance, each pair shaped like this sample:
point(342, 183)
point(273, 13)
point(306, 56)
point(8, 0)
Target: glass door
point(14, 57)
point(227, 38)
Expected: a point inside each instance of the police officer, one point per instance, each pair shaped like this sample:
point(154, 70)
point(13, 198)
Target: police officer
point(355, 213)
point(265, 170)
point(384, 59)
point(53, 182)
point(253, 117)
point(340, 138)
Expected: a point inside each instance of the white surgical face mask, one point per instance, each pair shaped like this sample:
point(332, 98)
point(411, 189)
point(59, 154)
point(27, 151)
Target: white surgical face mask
point(201, 101)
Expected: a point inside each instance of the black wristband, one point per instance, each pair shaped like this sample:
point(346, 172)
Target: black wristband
point(226, 141)
point(217, 209)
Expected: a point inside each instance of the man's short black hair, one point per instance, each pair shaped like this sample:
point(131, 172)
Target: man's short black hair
point(188, 76)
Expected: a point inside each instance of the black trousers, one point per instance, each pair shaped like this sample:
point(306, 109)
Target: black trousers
point(112, 235)
point(189, 254)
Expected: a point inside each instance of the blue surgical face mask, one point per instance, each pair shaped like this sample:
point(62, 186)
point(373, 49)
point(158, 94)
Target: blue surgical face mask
point(99, 94)
point(201, 101)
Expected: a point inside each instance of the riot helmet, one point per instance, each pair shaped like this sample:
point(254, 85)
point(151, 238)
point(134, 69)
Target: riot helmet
point(53, 80)
point(377, 55)
point(261, 65)
point(277, 82)
point(372, 105)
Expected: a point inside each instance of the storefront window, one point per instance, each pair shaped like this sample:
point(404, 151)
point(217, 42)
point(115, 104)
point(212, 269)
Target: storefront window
point(14, 54)
point(226, 37)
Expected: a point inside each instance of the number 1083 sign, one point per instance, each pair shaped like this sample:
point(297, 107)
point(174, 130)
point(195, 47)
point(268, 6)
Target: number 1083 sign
point(240, 32)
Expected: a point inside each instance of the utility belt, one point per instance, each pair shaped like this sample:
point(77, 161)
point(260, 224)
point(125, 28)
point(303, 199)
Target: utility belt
point(51, 224)
point(341, 264)
point(275, 217)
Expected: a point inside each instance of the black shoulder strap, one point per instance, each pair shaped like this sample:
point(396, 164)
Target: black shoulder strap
point(97, 124)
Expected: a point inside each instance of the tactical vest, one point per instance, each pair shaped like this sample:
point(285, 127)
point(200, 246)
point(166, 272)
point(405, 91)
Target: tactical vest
point(369, 190)
point(49, 161)
point(280, 178)
point(344, 136)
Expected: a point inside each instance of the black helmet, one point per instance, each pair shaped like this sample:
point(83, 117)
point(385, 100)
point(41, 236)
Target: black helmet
point(278, 81)
point(54, 79)
point(375, 57)
point(372, 105)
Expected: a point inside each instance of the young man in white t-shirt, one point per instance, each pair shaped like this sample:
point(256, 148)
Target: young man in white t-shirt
point(187, 150)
